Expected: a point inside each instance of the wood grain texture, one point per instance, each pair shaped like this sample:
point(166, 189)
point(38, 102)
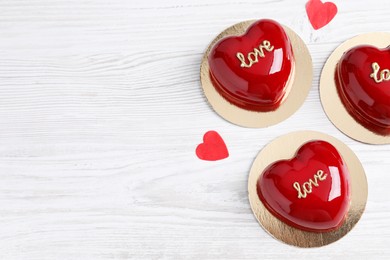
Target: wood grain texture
point(101, 110)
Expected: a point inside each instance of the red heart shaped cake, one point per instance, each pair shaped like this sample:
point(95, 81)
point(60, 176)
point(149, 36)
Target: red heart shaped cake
point(311, 191)
point(253, 71)
point(363, 84)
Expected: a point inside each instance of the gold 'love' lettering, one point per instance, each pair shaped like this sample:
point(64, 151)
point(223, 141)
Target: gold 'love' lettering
point(379, 75)
point(253, 56)
point(307, 187)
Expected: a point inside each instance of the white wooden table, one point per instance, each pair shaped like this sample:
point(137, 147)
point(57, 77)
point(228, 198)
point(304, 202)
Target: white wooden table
point(100, 113)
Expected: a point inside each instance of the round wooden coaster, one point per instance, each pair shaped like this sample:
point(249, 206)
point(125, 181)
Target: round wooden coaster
point(299, 89)
point(285, 147)
point(330, 99)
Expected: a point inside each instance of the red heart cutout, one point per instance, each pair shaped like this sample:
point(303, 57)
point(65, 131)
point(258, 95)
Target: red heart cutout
point(252, 71)
point(363, 84)
point(320, 14)
point(311, 191)
point(213, 147)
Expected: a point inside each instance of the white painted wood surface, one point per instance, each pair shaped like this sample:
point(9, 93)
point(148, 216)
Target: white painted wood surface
point(100, 113)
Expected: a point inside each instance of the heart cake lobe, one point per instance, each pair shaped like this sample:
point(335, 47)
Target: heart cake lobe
point(311, 191)
point(254, 71)
point(362, 79)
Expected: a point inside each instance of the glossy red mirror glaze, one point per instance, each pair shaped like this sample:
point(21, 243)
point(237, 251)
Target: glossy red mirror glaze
point(253, 71)
point(362, 79)
point(311, 191)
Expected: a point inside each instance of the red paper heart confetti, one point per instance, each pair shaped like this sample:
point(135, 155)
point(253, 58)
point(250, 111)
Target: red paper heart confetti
point(213, 147)
point(320, 14)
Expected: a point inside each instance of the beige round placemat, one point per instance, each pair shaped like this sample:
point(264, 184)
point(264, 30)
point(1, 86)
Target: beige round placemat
point(300, 87)
point(330, 99)
point(285, 147)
